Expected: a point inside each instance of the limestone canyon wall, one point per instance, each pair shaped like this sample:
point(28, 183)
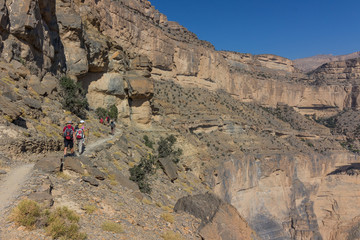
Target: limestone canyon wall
point(179, 55)
point(85, 39)
point(116, 49)
point(292, 196)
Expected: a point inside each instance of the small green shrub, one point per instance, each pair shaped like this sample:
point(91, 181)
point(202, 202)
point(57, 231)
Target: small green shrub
point(139, 173)
point(147, 165)
point(112, 227)
point(27, 213)
point(148, 142)
point(166, 149)
point(113, 112)
point(74, 98)
point(101, 112)
point(63, 223)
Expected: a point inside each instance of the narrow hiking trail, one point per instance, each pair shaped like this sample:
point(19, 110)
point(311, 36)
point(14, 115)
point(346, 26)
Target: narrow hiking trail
point(90, 147)
point(14, 180)
point(11, 184)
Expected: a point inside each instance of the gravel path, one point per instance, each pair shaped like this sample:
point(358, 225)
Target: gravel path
point(15, 179)
point(12, 183)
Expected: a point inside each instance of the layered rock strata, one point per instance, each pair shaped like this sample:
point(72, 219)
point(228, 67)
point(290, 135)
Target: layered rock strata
point(179, 55)
point(296, 198)
point(311, 63)
point(85, 39)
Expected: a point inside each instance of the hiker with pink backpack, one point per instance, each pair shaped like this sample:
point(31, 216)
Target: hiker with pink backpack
point(80, 136)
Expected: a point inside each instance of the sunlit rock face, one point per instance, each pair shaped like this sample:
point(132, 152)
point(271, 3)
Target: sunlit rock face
point(83, 37)
point(117, 48)
point(130, 91)
point(294, 197)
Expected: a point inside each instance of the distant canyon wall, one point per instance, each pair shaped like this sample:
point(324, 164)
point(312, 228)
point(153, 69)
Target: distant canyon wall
point(311, 63)
point(293, 197)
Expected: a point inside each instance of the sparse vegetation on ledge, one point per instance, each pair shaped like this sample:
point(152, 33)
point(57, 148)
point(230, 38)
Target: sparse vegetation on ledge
point(61, 223)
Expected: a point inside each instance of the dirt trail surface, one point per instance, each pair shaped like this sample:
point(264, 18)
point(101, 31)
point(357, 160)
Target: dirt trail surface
point(94, 146)
point(12, 183)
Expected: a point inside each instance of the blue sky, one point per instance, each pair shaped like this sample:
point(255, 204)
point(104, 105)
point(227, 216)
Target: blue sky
point(288, 28)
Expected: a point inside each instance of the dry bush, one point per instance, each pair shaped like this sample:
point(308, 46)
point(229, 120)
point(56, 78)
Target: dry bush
point(112, 227)
point(168, 217)
point(27, 213)
point(170, 235)
point(63, 223)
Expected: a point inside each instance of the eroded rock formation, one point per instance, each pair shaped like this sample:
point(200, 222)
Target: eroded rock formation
point(311, 63)
point(267, 167)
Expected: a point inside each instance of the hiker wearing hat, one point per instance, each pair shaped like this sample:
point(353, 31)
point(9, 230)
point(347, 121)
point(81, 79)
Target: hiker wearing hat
point(80, 136)
point(69, 136)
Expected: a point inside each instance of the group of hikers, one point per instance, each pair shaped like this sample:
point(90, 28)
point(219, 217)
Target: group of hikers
point(109, 122)
point(70, 134)
point(77, 133)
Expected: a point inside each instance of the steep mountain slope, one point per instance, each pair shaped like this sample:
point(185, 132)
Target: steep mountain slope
point(311, 63)
point(235, 116)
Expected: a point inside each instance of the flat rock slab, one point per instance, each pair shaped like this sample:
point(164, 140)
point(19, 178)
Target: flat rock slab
point(95, 172)
point(92, 181)
point(125, 182)
point(44, 198)
point(73, 164)
point(169, 167)
point(49, 164)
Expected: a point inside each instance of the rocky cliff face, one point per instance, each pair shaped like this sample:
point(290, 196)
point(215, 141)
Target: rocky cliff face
point(179, 55)
point(311, 63)
point(87, 39)
point(306, 201)
point(338, 72)
point(279, 169)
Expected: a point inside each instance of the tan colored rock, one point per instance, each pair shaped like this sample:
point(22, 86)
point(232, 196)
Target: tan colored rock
point(76, 58)
point(50, 83)
point(220, 221)
point(141, 111)
point(227, 224)
point(97, 48)
point(290, 197)
point(311, 63)
point(141, 87)
point(110, 84)
point(9, 109)
point(335, 205)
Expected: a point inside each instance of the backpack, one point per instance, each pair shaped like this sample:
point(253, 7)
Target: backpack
point(79, 133)
point(68, 133)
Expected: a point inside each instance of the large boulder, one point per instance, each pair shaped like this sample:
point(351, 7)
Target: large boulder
point(49, 164)
point(9, 109)
point(169, 167)
point(219, 220)
point(141, 87)
point(107, 90)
